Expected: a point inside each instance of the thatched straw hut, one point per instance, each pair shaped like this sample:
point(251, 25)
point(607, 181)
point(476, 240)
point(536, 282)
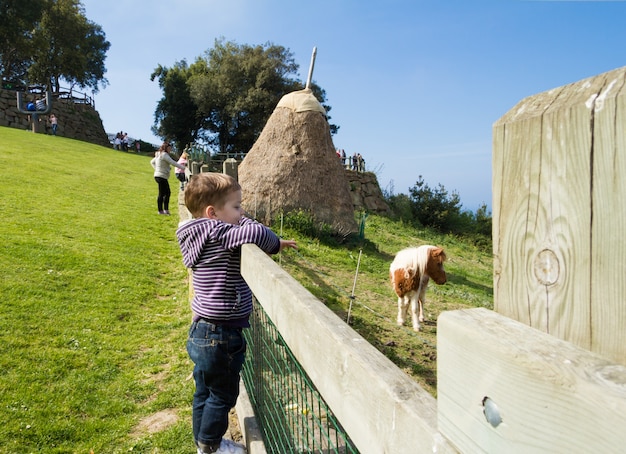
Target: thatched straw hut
point(293, 165)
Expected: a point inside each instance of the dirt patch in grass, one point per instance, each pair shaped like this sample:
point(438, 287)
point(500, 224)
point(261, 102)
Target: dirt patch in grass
point(155, 423)
point(164, 419)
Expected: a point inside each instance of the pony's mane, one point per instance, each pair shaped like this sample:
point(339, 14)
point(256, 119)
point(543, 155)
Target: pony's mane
point(413, 259)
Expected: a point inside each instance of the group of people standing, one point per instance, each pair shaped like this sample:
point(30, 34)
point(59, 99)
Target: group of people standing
point(354, 162)
point(121, 141)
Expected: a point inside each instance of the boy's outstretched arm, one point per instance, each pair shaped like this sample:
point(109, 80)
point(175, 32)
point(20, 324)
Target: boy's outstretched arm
point(288, 243)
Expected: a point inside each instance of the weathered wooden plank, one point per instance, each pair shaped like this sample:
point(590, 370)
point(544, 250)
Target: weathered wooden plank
point(564, 195)
point(608, 260)
point(550, 395)
point(382, 409)
point(516, 158)
point(551, 203)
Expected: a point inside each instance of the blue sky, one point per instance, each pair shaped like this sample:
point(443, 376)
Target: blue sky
point(415, 86)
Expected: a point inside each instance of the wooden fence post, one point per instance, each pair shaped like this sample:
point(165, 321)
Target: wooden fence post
point(559, 210)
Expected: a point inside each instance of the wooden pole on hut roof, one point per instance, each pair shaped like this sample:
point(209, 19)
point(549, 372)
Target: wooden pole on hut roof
point(310, 76)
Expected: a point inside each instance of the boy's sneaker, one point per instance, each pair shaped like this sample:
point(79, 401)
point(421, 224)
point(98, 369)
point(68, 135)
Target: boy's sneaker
point(226, 447)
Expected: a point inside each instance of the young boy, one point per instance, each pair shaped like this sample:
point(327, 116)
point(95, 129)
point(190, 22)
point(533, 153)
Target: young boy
point(222, 301)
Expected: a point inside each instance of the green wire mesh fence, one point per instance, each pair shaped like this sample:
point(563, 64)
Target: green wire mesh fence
point(292, 415)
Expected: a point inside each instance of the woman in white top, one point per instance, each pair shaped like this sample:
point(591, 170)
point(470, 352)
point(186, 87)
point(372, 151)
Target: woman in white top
point(161, 163)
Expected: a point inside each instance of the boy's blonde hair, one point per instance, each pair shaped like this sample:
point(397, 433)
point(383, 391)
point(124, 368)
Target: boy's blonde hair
point(206, 189)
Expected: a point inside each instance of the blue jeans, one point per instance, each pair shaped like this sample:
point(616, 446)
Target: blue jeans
point(218, 353)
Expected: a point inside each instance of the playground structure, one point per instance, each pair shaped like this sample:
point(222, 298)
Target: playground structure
point(77, 117)
point(33, 115)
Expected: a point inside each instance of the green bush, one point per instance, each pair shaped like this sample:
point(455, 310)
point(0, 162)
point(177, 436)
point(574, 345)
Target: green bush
point(440, 210)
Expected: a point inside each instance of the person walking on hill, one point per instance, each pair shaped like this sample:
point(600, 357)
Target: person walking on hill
point(161, 163)
point(222, 302)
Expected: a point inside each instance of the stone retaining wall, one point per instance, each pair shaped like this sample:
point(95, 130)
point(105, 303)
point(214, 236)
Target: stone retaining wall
point(365, 192)
point(76, 121)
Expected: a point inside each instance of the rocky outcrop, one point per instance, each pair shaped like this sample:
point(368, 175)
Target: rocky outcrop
point(76, 120)
point(365, 192)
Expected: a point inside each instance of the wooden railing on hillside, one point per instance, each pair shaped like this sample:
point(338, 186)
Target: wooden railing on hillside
point(67, 94)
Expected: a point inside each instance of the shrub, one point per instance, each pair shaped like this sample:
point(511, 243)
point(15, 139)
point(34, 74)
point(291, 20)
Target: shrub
point(440, 210)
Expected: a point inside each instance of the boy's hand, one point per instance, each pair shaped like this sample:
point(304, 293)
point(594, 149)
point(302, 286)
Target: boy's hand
point(288, 243)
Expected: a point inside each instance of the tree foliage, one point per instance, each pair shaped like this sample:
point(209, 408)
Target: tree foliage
point(176, 113)
point(68, 46)
point(440, 210)
point(483, 221)
point(435, 207)
point(47, 41)
point(16, 36)
point(235, 89)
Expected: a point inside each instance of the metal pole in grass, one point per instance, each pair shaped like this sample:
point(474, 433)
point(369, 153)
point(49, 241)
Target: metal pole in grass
point(358, 264)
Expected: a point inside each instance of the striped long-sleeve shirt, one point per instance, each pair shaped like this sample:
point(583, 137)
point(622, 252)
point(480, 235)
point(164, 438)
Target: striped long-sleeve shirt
point(212, 249)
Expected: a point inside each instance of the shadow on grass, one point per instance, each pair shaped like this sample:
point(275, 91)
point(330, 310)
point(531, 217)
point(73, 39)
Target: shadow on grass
point(462, 280)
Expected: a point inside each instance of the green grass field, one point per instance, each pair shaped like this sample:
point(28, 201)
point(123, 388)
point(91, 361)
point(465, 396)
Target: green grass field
point(94, 308)
point(94, 299)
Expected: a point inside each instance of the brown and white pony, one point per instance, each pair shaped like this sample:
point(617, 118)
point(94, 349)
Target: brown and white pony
point(410, 272)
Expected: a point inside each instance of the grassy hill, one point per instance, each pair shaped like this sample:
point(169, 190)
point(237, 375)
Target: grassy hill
point(94, 305)
point(329, 272)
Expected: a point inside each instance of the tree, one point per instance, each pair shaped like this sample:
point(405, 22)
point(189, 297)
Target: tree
point(435, 207)
point(175, 113)
point(401, 207)
point(483, 220)
point(235, 89)
point(18, 19)
point(68, 46)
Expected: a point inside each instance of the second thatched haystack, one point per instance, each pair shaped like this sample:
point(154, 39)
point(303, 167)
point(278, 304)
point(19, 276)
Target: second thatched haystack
point(293, 166)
